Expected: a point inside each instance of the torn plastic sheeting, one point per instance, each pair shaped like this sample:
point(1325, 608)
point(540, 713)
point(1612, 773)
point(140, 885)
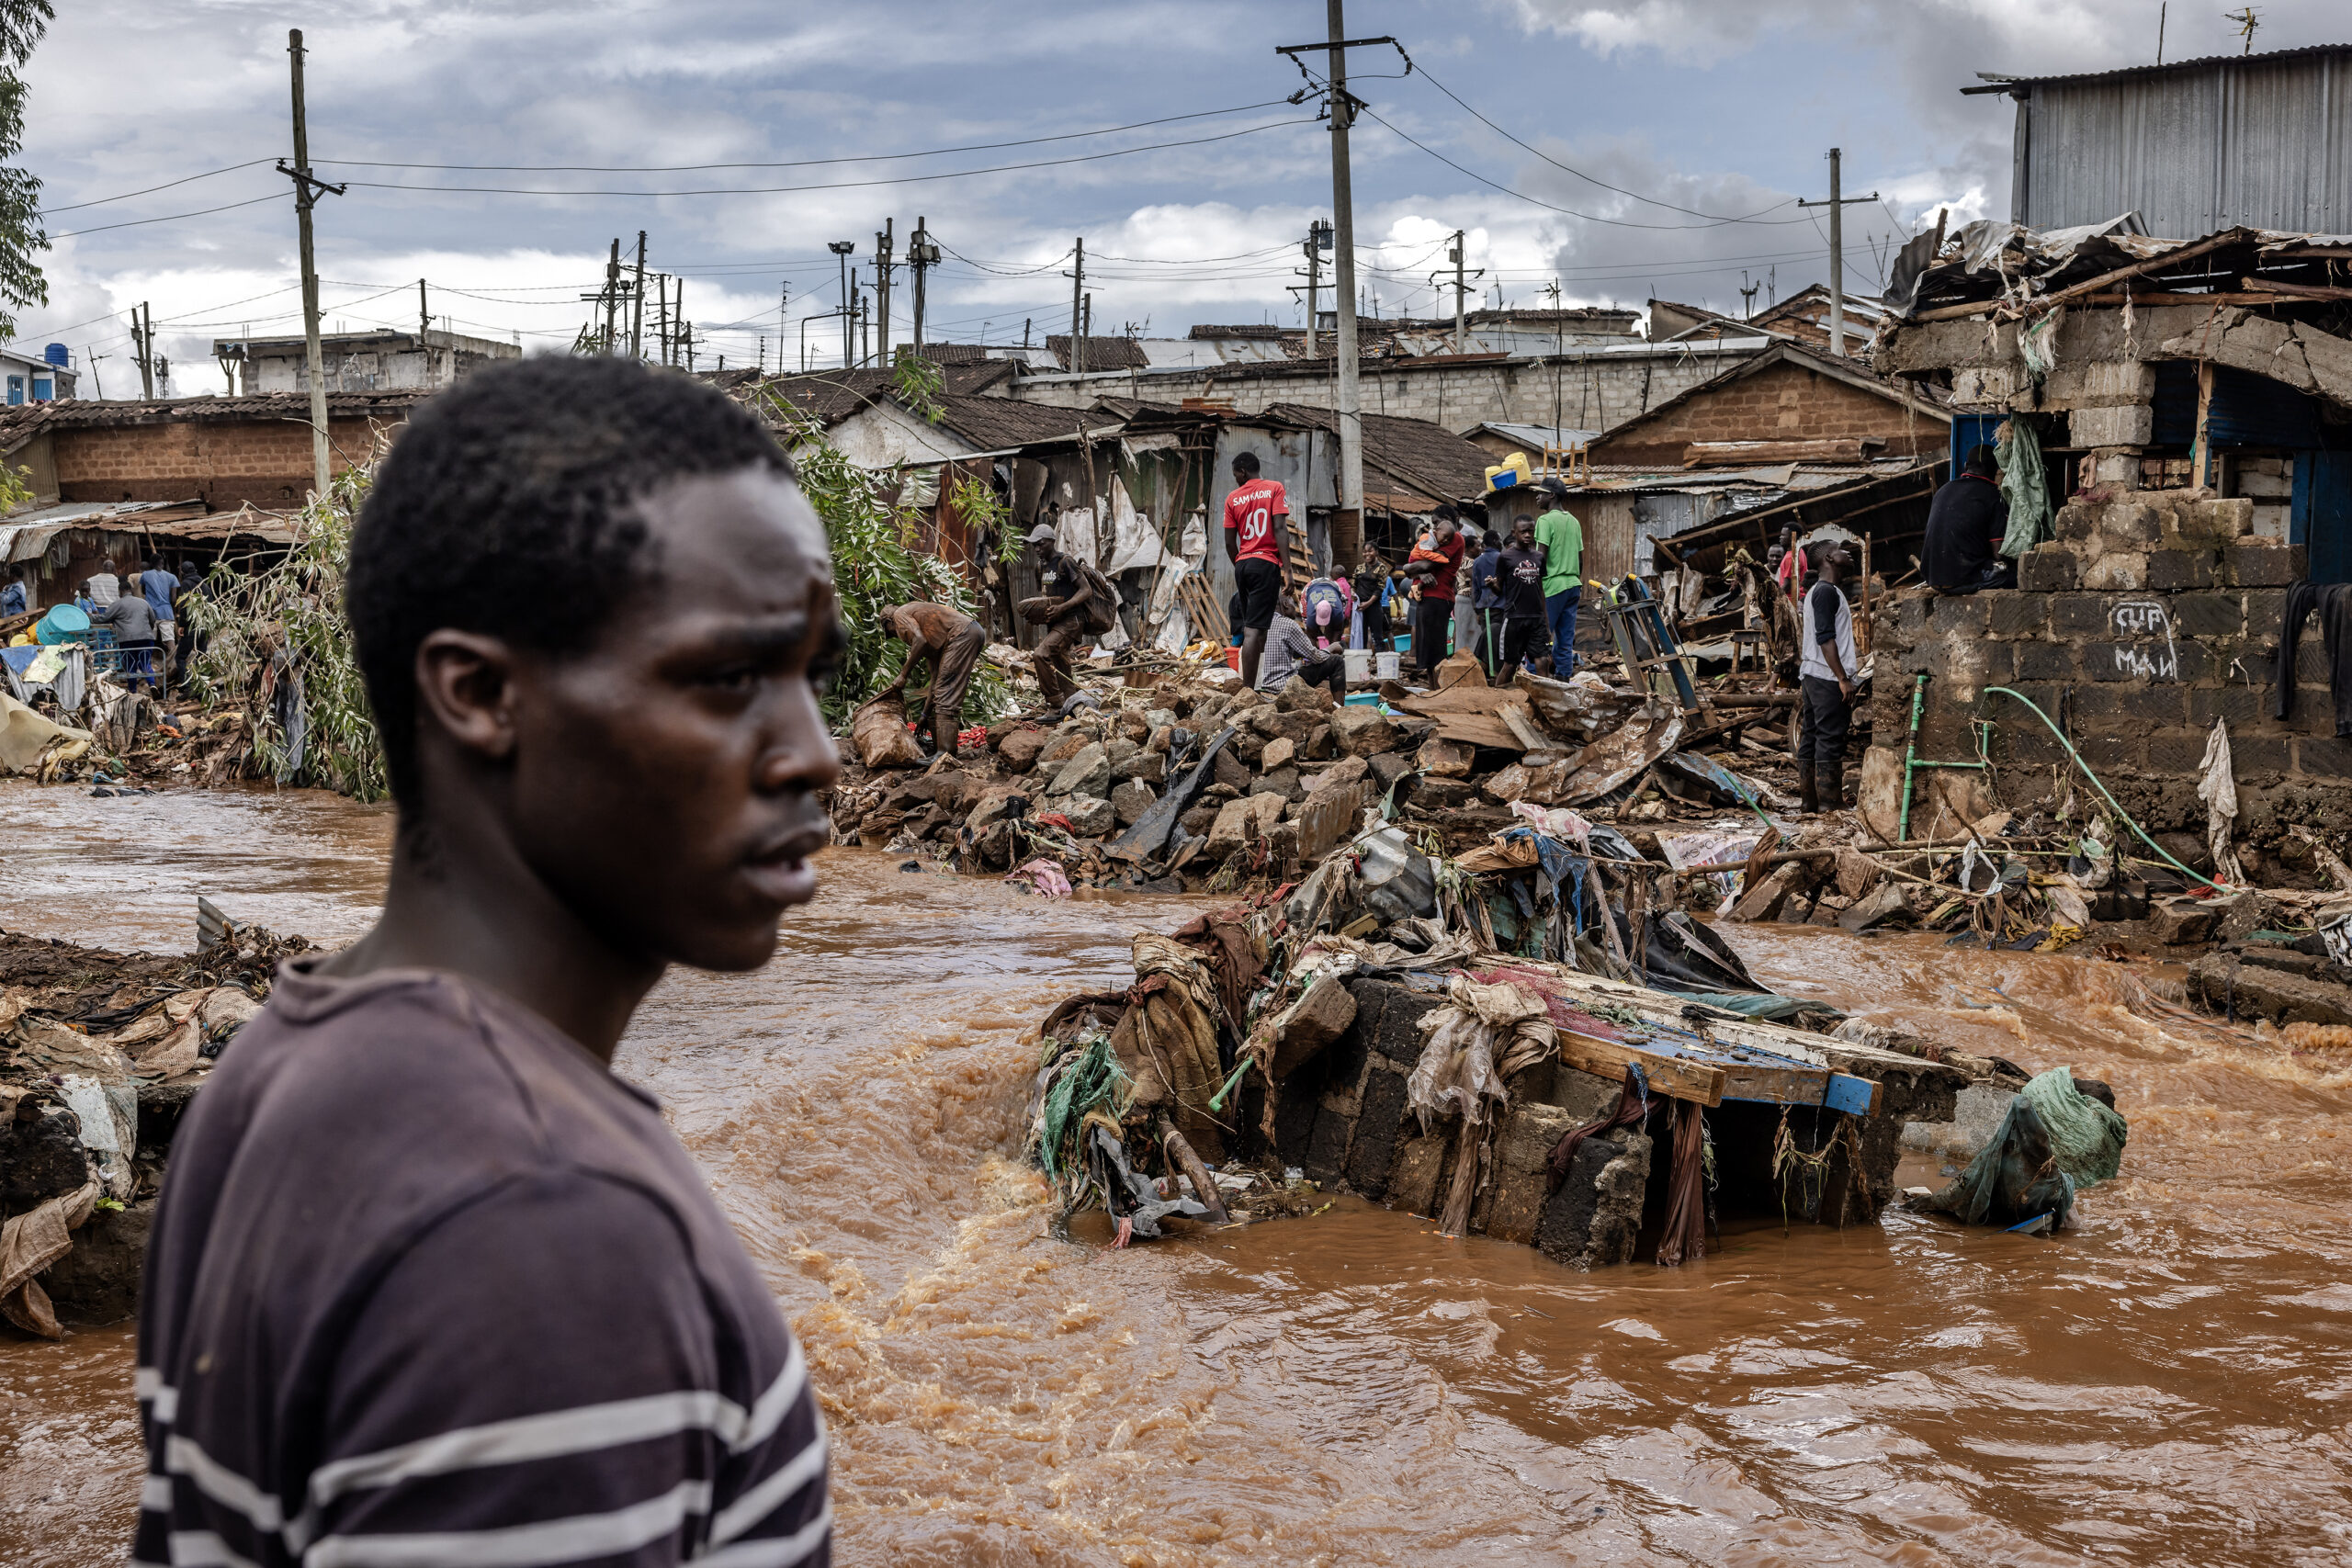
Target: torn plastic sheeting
point(1475, 1043)
point(1045, 877)
point(2217, 786)
point(110, 1117)
point(1685, 851)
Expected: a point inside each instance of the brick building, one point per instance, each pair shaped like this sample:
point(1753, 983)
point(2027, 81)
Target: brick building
point(226, 453)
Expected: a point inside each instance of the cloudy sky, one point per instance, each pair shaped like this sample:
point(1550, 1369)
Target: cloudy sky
point(1647, 147)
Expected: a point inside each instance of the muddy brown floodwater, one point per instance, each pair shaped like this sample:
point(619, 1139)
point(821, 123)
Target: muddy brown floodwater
point(2168, 1383)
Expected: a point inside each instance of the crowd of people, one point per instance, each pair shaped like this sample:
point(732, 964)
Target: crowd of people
point(138, 609)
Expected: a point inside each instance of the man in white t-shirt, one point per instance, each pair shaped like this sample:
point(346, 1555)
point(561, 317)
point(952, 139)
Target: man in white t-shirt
point(1826, 670)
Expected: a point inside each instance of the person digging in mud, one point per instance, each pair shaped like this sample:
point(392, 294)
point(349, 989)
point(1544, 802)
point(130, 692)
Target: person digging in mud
point(950, 644)
point(427, 1282)
point(1826, 672)
point(1061, 609)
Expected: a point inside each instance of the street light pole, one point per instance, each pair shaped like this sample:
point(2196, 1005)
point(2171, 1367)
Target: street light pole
point(842, 249)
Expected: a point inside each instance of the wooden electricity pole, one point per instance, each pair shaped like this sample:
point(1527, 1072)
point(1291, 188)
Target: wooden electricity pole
point(884, 243)
point(306, 196)
point(1078, 307)
point(636, 304)
point(1837, 205)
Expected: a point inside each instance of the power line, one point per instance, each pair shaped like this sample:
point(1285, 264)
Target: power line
point(838, 184)
point(1590, 179)
point(126, 195)
point(797, 163)
point(172, 217)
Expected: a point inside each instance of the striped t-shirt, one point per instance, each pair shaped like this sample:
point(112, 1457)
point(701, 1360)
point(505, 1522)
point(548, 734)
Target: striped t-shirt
point(429, 1285)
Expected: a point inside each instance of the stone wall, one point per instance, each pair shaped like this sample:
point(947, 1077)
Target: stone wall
point(2152, 614)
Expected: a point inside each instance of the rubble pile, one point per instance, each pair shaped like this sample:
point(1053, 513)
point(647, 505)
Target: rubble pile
point(1171, 776)
point(100, 1053)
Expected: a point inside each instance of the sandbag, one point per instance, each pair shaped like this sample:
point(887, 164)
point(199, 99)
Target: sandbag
point(880, 734)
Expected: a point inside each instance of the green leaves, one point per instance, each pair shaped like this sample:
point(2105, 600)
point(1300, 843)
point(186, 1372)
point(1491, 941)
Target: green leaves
point(22, 23)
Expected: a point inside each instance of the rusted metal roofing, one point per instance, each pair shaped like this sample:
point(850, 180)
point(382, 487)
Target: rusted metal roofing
point(20, 423)
point(1428, 456)
point(992, 424)
point(1101, 354)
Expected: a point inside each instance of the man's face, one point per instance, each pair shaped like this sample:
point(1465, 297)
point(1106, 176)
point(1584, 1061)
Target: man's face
point(1523, 533)
point(664, 782)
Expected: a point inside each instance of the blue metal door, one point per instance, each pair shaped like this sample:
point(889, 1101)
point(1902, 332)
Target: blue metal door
point(2321, 519)
point(1972, 430)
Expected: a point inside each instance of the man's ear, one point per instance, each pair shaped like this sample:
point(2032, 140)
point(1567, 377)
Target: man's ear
point(465, 682)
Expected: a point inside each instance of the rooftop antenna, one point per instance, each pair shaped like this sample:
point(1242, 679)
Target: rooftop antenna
point(1748, 293)
point(2247, 21)
point(2160, 32)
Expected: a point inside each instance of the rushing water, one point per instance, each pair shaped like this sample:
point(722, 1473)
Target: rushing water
point(2170, 1382)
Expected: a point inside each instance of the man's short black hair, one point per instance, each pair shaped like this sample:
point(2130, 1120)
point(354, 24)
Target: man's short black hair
point(1246, 462)
point(507, 506)
point(1981, 460)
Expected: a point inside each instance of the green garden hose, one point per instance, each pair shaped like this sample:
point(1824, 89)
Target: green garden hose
point(2111, 800)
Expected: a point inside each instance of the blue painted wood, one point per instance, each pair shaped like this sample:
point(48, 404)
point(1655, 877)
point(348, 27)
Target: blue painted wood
point(1849, 1094)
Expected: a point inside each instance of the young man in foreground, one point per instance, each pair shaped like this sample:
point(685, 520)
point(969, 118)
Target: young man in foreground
point(428, 1284)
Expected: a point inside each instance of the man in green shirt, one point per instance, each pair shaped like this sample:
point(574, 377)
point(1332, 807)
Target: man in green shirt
point(1562, 538)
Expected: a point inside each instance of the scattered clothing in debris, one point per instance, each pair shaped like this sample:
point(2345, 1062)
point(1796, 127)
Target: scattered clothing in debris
point(2054, 1141)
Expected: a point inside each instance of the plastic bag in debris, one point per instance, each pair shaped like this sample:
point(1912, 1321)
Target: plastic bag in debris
point(1481, 1037)
point(1394, 882)
point(880, 734)
point(2054, 1141)
point(110, 1118)
point(2093, 860)
point(1132, 1198)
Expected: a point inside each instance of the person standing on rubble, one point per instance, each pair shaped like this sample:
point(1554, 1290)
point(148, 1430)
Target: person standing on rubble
point(1371, 587)
point(429, 1282)
point(1520, 572)
point(950, 643)
point(1485, 603)
point(1562, 538)
point(1061, 609)
point(1966, 523)
point(1432, 568)
point(1826, 671)
point(1257, 540)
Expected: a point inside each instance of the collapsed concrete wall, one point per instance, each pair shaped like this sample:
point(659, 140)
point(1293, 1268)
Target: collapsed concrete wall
point(1342, 1117)
point(2150, 616)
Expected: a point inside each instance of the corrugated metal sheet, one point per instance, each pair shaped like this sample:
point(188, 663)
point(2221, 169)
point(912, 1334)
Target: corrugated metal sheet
point(2264, 141)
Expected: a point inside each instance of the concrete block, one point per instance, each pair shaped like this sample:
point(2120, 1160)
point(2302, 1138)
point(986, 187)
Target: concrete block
point(2237, 704)
point(2263, 482)
point(1967, 614)
point(2178, 753)
point(2046, 569)
point(2208, 615)
point(1313, 1022)
point(2019, 614)
point(1379, 1122)
point(2102, 383)
point(2244, 992)
point(2261, 754)
point(2220, 521)
point(1977, 1113)
point(2043, 662)
point(2115, 570)
point(1420, 1160)
point(2272, 521)
point(2180, 921)
point(2172, 570)
point(2327, 756)
point(1149, 767)
point(2078, 522)
point(2079, 615)
point(2263, 564)
point(1596, 1216)
point(2116, 468)
point(2127, 424)
point(1326, 1145)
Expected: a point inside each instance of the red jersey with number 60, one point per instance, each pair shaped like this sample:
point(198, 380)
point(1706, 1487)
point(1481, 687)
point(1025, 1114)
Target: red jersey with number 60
point(1250, 511)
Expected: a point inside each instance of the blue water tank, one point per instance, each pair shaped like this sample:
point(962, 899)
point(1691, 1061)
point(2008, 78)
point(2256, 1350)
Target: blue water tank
point(55, 355)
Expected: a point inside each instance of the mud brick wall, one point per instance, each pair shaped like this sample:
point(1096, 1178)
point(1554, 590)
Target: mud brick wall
point(1786, 402)
point(2152, 614)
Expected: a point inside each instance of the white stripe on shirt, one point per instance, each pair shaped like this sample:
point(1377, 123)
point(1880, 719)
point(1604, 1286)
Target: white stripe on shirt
point(147, 1383)
point(224, 1486)
point(758, 1502)
point(775, 1551)
point(519, 1546)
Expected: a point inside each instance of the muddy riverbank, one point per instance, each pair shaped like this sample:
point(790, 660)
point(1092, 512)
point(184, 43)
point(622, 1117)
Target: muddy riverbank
point(2171, 1382)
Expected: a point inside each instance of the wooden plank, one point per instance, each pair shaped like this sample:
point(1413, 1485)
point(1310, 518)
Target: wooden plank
point(1674, 1077)
point(1854, 1096)
point(1776, 1084)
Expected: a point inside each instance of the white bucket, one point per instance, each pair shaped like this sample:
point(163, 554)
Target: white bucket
point(1359, 665)
point(1385, 664)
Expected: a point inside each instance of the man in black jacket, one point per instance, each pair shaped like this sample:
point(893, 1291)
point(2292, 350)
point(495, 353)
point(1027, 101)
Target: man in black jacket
point(1966, 523)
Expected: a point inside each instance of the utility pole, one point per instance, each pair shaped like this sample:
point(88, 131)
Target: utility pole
point(884, 243)
point(1087, 331)
point(686, 327)
point(1460, 336)
point(142, 339)
point(1078, 307)
point(1347, 520)
point(612, 293)
point(424, 315)
point(306, 196)
point(921, 253)
point(1837, 205)
point(1747, 292)
point(842, 249)
point(636, 304)
point(1319, 239)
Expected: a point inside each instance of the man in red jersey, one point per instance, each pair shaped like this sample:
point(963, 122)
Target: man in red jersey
point(1257, 540)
